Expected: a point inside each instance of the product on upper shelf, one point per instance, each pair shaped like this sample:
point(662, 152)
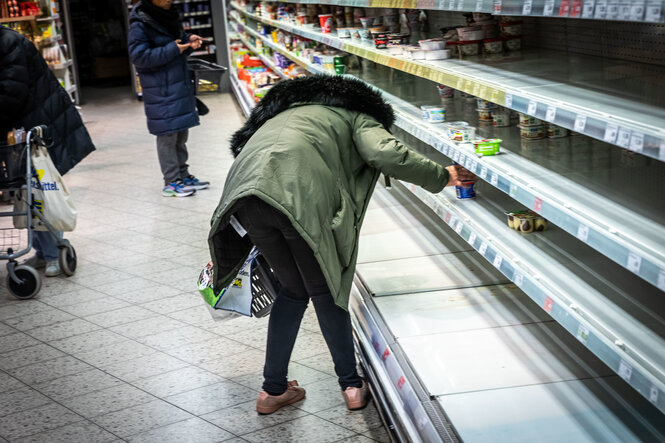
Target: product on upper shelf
point(466, 192)
point(343, 33)
point(532, 132)
point(414, 53)
point(439, 54)
point(485, 147)
point(471, 33)
point(460, 132)
point(513, 43)
point(380, 40)
point(445, 91)
point(432, 44)
point(468, 47)
point(526, 222)
point(510, 28)
point(326, 23)
point(433, 114)
point(367, 22)
point(364, 33)
point(485, 114)
point(501, 116)
point(395, 50)
point(554, 131)
point(528, 120)
point(493, 45)
point(484, 104)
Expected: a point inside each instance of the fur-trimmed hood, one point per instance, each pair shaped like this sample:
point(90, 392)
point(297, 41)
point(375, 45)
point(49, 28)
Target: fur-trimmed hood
point(328, 90)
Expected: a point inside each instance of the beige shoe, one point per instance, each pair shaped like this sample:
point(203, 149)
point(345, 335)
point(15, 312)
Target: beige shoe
point(267, 404)
point(356, 398)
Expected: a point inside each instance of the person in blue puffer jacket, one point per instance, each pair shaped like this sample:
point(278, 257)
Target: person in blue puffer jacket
point(158, 48)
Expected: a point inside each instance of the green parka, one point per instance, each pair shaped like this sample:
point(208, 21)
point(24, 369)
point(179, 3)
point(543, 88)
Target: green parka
point(314, 148)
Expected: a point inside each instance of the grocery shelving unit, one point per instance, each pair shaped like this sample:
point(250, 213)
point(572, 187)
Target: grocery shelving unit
point(598, 273)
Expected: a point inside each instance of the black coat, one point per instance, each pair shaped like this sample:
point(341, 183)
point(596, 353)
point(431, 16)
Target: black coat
point(30, 95)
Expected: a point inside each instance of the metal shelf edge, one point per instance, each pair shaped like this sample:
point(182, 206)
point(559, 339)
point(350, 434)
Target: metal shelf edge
point(240, 94)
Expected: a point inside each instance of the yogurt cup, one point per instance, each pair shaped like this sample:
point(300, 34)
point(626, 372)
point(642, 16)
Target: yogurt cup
point(484, 104)
point(511, 28)
point(528, 120)
point(432, 44)
point(439, 54)
point(485, 147)
point(485, 114)
point(554, 131)
point(343, 33)
point(493, 45)
point(501, 118)
point(364, 34)
point(532, 132)
point(434, 114)
point(367, 22)
point(445, 91)
point(414, 53)
point(514, 43)
point(326, 22)
point(465, 193)
point(463, 134)
point(468, 47)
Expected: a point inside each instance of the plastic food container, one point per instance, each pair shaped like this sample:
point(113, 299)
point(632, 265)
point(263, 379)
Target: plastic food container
point(364, 33)
point(484, 104)
point(501, 117)
point(439, 54)
point(403, 38)
point(490, 146)
point(434, 114)
point(343, 33)
point(462, 133)
point(527, 120)
point(464, 193)
point(432, 44)
point(414, 53)
point(326, 22)
point(395, 50)
point(354, 33)
point(470, 33)
point(526, 222)
point(367, 22)
point(380, 40)
point(485, 114)
point(514, 43)
point(481, 16)
point(468, 47)
point(511, 28)
point(554, 131)
point(493, 45)
point(445, 91)
point(532, 132)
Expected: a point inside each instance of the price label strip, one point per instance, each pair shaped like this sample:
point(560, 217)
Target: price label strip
point(550, 115)
point(583, 233)
point(625, 371)
point(582, 333)
point(601, 9)
point(653, 11)
point(634, 263)
point(611, 132)
point(623, 138)
point(588, 8)
point(580, 123)
point(532, 107)
point(548, 9)
point(576, 8)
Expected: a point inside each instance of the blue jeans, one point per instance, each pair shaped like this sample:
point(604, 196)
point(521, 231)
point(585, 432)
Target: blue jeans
point(45, 245)
point(300, 277)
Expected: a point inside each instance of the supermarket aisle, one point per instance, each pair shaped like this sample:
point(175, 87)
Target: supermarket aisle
point(124, 350)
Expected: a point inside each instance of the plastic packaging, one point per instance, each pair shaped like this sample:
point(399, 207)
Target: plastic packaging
point(526, 222)
point(528, 120)
point(326, 22)
point(468, 47)
point(432, 44)
point(445, 91)
point(485, 114)
point(434, 114)
point(554, 131)
point(493, 45)
point(532, 132)
point(440, 54)
point(485, 147)
point(465, 193)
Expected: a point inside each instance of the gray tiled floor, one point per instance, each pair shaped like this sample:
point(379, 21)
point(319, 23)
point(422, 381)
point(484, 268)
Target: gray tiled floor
point(124, 350)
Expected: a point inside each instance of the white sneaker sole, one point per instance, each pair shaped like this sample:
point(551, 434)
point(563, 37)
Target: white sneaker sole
point(182, 194)
point(196, 188)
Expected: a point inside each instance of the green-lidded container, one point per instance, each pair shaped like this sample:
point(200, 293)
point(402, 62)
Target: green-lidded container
point(487, 146)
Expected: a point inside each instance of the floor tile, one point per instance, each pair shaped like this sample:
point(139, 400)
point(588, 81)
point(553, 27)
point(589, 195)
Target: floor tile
point(50, 369)
point(87, 341)
point(304, 429)
point(16, 341)
point(72, 298)
point(141, 418)
point(81, 432)
point(95, 306)
point(198, 315)
point(9, 383)
point(120, 351)
point(21, 400)
point(212, 397)
point(212, 349)
point(321, 395)
point(43, 318)
point(6, 330)
point(178, 381)
point(378, 434)
point(33, 421)
point(172, 304)
point(177, 338)
point(359, 421)
point(120, 316)
point(193, 430)
point(358, 438)
point(321, 362)
point(62, 330)
point(131, 284)
point(243, 419)
point(107, 400)
point(236, 365)
point(147, 326)
point(27, 356)
point(77, 384)
point(298, 372)
point(144, 367)
point(20, 308)
point(255, 337)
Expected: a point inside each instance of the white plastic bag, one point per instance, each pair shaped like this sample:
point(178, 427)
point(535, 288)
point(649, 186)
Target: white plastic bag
point(49, 194)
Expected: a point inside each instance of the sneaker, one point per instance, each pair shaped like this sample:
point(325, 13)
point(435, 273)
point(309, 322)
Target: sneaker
point(177, 189)
point(192, 182)
point(35, 262)
point(356, 398)
point(52, 268)
point(267, 404)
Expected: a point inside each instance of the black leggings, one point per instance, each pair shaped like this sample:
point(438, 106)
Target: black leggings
point(300, 276)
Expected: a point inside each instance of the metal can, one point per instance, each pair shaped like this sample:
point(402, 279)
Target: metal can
point(464, 193)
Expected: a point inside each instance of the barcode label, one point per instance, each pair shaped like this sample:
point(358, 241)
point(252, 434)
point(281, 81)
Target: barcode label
point(472, 239)
point(625, 370)
point(587, 9)
point(611, 132)
point(583, 233)
point(483, 172)
point(637, 142)
point(497, 261)
point(613, 11)
point(460, 5)
point(513, 190)
point(532, 107)
point(661, 151)
point(550, 115)
point(451, 5)
point(634, 263)
point(518, 279)
point(483, 248)
point(637, 11)
point(601, 9)
point(624, 10)
point(526, 9)
point(653, 394)
point(494, 180)
point(459, 227)
point(472, 166)
point(497, 6)
point(623, 138)
point(479, 5)
point(653, 12)
point(661, 280)
point(548, 9)
point(580, 123)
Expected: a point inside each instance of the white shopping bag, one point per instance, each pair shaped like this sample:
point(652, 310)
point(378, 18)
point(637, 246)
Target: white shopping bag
point(49, 194)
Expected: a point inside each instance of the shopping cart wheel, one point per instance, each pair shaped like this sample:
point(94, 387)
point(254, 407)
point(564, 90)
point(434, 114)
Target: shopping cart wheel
point(30, 283)
point(67, 260)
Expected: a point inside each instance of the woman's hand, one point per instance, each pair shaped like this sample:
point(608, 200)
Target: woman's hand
point(195, 41)
point(457, 174)
point(182, 46)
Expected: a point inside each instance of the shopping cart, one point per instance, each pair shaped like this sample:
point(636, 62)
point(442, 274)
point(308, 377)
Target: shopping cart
point(16, 175)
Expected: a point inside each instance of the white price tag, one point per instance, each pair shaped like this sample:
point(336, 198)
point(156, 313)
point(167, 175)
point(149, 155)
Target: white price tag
point(587, 9)
point(494, 180)
point(451, 5)
point(601, 9)
point(550, 115)
point(611, 132)
point(460, 5)
point(634, 263)
point(613, 11)
point(497, 6)
point(497, 261)
point(472, 166)
point(637, 11)
point(625, 370)
point(526, 9)
point(518, 279)
point(479, 5)
point(456, 156)
point(583, 233)
point(483, 172)
point(653, 394)
point(532, 107)
point(513, 189)
point(580, 123)
point(472, 238)
point(483, 248)
point(661, 280)
point(661, 151)
point(548, 9)
point(509, 100)
point(623, 138)
point(624, 10)
point(653, 12)
point(582, 333)
point(459, 227)
point(637, 142)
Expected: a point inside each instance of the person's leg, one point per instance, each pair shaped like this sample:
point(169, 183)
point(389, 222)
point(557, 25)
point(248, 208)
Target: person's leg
point(181, 154)
point(167, 152)
point(291, 301)
point(48, 248)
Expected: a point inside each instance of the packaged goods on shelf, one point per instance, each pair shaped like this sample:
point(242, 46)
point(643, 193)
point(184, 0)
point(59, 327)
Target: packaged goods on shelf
point(434, 114)
point(526, 222)
point(487, 146)
point(467, 191)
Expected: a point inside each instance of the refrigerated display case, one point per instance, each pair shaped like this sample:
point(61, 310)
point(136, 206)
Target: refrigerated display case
point(469, 329)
